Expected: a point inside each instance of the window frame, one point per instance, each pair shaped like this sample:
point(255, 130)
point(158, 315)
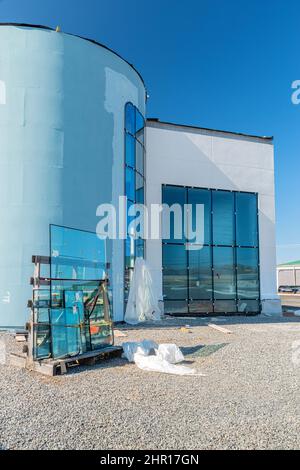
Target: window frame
point(235, 248)
point(136, 173)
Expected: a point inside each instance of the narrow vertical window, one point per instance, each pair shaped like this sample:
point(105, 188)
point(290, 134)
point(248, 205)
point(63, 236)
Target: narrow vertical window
point(134, 187)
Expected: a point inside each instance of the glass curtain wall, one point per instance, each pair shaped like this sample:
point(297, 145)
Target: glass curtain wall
point(223, 275)
point(134, 183)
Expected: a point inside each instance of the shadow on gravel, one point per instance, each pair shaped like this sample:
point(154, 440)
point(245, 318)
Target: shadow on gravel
point(201, 350)
point(177, 322)
point(102, 364)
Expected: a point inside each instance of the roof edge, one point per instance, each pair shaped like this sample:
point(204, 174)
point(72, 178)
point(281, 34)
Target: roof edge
point(186, 126)
point(37, 26)
point(289, 264)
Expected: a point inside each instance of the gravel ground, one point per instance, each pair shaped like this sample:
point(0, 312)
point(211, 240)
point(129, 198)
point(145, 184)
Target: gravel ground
point(248, 399)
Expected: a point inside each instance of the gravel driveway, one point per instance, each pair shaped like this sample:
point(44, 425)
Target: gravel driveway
point(249, 398)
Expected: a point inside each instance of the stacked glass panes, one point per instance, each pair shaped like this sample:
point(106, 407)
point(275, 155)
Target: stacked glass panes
point(223, 275)
point(134, 183)
point(80, 316)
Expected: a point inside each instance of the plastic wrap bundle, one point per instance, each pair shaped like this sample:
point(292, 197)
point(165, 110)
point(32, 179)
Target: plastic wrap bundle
point(142, 302)
point(149, 356)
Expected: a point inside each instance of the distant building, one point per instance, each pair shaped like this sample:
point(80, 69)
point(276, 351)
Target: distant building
point(288, 274)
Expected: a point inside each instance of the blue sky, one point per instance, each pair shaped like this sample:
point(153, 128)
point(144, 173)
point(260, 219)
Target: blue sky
point(213, 63)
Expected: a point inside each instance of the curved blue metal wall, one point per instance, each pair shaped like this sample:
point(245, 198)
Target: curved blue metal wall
point(62, 104)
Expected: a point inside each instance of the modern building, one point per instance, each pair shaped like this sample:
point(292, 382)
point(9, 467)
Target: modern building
point(288, 274)
point(73, 136)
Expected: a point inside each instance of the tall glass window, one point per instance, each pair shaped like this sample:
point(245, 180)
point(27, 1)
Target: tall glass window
point(134, 183)
point(223, 275)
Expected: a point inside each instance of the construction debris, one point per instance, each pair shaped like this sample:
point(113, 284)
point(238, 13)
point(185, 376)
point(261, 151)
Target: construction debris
point(291, 313)
point(220, 328)
point(20, 338)
point(185, 329)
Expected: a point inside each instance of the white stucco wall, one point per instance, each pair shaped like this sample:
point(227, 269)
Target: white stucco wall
point(210, 159)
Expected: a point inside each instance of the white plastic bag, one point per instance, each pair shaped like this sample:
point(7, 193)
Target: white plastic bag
point(170, 353)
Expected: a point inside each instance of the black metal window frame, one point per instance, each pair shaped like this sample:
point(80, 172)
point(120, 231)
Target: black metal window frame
point(213, 312)
point(129, 269)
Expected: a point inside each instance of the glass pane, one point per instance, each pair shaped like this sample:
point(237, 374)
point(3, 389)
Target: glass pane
point(88, 290)
point(87, 313)
point(173, 220)
point(140, 123)
point(64, 316)
point(130, 143)
point(65, 332)
point(100, 324)
point(200, 273)
point(139, 182)
point(140, 195)
point(78, 296)
point(41, 341)
point(139, 248)
point(225, 306)
point(76, 254)
point(41, 315)
point(130, 118)
point(139, 158)
point(130, 183)
point(131, 220)
point(175, 272)
point(203, 197)
point(100, 333)
point(248, 306)
point(224, 273)
point(246, 219)
point(247, 273)
point(65, 341)
point(175, 307)
point(129, 252)
point(41, 298)
point(200, 306)
point(127, 281)
point(73, 299)
point(223, 218)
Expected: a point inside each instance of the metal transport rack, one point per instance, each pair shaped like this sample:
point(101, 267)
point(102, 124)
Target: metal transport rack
point(70, 310)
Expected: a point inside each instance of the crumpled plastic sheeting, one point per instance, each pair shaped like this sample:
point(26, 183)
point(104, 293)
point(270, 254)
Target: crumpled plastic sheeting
point(147, 355)
point(156, 364)
point(142, 302)
point(143, 348)
point(170, 353)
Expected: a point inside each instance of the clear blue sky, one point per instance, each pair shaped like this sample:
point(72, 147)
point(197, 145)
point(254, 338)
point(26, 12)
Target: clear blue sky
point(225, 64)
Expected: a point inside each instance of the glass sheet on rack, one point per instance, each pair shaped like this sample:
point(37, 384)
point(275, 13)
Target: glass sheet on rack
point(76, 254)
point(41, 341)
point(65, 328)
point(80, 313)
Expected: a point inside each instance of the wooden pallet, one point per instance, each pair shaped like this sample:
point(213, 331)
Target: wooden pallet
point(53, 367)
